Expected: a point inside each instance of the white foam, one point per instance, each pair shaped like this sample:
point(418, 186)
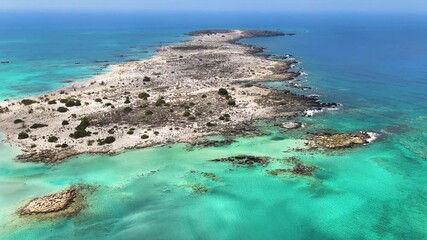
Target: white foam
point(372, 136)
point(311, 113)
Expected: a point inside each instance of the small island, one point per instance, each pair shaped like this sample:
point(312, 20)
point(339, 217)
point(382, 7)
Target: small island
point(207, 85)
point(62, 204)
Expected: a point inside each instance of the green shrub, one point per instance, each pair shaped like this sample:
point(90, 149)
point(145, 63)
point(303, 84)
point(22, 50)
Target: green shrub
point(84, 123)
point(232, 102)
point(127, 101)
point(192, 118)
point(52, 139)
point(62, 109)
point(38, 125)
point(146, 79)
point(226, 115)
point(160, 102)
point(109, 140)
point(80, 134)
point(186, 114)
point(145, 136)
point(52, 102)
point(204, 96)
point(73, 103)
point(98, 100)
point(65, 122)
point(144, 95)
point(23, 135)
point(18, 121)
point(222, 92)
point(149, 112)
point(127, 109)
point(27, 102)
point(209, 124)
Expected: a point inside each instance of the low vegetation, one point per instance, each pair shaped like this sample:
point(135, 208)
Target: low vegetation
point(38, 125)
point(23, 135)
point(27, 102)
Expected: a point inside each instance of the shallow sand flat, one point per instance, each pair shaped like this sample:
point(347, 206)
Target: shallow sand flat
point(171, 97)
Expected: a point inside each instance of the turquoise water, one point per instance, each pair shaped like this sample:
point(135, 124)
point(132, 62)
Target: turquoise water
point(374, 65)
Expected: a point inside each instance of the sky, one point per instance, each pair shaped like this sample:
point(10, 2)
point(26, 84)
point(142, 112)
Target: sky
point(221, 5)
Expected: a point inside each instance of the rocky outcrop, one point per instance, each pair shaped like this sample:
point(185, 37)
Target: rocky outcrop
point(65, 203)
point(245, 160)
point(340, 140)
point(46, 155)
point(297, 168)
point(291, 125)
point(303, 170)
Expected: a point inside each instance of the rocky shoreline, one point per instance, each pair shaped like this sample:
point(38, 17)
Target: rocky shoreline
point(198, 88)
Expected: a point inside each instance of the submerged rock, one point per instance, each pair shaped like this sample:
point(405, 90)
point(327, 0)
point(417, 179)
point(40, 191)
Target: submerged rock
point(245, 160)
point(210, 176)
point(65, 203)
point(291, 125)
point(199, 189)
point(212, 143)
point(276, 172)
point(299, 169)
point(341, 140)
point(304, 170)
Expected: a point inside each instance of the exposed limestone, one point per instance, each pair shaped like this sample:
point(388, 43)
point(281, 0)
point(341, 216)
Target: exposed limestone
point(291, 125)
point(66, 203)
point(340, 140)
point(172, 97)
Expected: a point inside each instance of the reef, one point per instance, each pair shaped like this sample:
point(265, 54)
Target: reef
point(245, 160)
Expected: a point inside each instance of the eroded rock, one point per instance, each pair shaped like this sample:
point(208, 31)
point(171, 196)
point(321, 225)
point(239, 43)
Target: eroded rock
point(66, 203)
point(340, 140)
point(291, 125)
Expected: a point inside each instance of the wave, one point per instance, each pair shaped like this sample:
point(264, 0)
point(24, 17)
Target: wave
point(312, 112)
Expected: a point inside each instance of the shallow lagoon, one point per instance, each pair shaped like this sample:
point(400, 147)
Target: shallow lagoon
point(375, 191)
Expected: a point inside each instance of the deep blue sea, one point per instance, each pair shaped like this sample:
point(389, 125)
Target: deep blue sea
point(375, 65)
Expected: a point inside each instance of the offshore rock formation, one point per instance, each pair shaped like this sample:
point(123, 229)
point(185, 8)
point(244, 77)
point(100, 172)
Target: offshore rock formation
point(65, 203)
point(340, 140)
point(245, 160)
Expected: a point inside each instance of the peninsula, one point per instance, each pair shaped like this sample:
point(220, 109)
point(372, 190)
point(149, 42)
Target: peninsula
point(207, 85)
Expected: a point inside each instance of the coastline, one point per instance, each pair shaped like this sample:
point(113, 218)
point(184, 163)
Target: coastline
point(180, 84)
